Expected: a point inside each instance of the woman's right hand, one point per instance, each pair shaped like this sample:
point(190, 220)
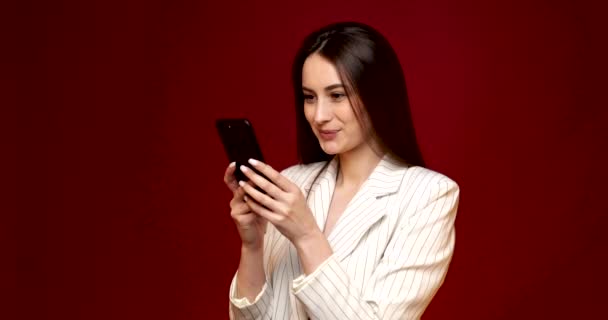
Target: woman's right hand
point(251, 227)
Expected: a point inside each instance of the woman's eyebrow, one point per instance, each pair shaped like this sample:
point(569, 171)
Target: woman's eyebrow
point(334, 86)
point(328, 88)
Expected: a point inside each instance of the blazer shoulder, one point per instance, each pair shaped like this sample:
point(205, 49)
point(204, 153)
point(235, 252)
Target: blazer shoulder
point(421, 188)
point(418, 176)
point(422, 185)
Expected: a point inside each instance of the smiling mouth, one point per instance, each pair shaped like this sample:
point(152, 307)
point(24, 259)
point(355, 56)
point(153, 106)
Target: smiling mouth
point(328, 134)
point(328, 131)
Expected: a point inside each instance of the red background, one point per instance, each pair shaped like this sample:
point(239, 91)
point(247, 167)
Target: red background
point(120, 210)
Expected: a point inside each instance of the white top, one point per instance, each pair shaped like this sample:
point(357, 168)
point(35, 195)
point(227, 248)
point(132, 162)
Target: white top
point(392, 247)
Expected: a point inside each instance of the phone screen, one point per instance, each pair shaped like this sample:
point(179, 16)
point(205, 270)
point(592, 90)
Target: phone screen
point(240, 143)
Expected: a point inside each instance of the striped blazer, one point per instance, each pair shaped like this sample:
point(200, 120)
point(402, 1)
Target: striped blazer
point(391, 248)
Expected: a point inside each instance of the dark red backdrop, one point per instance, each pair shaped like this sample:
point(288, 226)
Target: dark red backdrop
point(121, 210)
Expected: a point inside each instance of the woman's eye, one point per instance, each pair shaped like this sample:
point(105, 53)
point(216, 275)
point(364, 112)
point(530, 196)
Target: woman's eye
point(308, 98)
point(337, 95)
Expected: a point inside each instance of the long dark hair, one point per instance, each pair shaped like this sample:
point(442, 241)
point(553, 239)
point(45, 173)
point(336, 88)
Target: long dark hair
point(375, 85)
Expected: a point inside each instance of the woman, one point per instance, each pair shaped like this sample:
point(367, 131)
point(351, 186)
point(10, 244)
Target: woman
point(360, 229)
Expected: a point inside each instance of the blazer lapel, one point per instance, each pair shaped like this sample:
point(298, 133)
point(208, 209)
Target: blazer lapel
point(321, 192)
point(365, 208)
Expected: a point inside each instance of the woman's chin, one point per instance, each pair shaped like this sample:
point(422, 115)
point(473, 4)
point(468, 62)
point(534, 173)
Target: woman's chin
point(330, 149)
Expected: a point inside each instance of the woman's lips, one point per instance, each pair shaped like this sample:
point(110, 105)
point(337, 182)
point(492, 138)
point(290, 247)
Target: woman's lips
point(328, 134)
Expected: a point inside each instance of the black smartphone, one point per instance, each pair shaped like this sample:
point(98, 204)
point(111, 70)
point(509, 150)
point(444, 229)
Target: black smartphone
point(240, 144)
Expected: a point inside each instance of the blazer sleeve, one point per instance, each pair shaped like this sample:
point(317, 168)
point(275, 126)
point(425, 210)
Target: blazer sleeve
point(243, 309)
point(262, 305)
point(411, 271)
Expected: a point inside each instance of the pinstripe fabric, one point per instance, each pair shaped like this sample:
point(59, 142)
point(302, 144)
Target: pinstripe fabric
point(392, 246)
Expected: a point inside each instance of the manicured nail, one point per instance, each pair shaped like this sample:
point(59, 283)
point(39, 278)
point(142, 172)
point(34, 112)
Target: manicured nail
point(254, 162)
point(242, 183)
point(244, 169)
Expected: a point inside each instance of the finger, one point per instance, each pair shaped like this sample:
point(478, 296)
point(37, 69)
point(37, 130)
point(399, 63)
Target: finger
point(240, 198)
point(263, 212)
point(238, 203)
point(275, 177)
point(261, 182)
point(229, 178)
point(259, 197)
point(239, 193)
point(239, 209)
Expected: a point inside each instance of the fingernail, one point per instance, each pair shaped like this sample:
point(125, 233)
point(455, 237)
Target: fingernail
point(244, 169)
point(232, 164)
point(254, 162)
point(242, 183)
point(245, 198)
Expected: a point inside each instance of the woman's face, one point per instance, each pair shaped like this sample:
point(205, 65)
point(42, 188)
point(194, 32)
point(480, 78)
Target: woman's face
point(328, 109)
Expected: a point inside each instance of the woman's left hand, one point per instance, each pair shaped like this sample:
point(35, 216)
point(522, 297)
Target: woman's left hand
point(283, 205)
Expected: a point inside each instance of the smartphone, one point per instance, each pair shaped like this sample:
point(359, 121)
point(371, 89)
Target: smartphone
point(240, 144)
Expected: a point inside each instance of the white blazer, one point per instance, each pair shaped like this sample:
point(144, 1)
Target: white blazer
point(392, 246)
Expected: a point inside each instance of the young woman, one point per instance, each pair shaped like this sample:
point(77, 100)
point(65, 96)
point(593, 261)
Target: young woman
point(360, 229)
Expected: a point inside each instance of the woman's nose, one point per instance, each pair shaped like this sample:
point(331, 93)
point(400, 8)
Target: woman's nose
point(323, 112)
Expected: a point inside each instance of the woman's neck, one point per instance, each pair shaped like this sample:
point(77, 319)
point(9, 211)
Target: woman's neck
point(356, 166)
